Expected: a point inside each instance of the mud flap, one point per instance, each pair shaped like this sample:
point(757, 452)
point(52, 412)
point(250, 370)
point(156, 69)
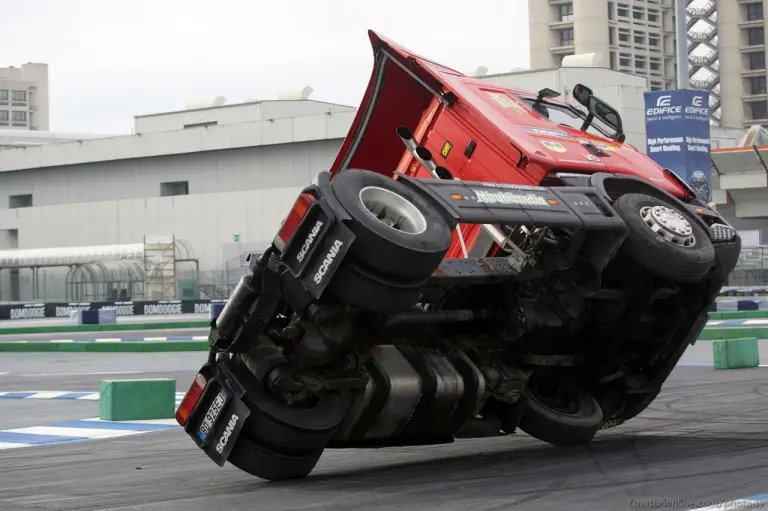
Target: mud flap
point(221, 439)
point(227, 431)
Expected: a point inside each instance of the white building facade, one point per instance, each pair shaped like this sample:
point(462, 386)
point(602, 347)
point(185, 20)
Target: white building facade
point(221, 186)
point(24, 97)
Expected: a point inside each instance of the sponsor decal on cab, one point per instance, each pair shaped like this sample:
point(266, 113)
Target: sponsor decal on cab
point(505, 101)
point(553, 146)
point(545, 132)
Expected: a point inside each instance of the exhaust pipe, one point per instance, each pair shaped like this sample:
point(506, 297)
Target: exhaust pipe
point(425, 157)
point(422, 154)
point(407, 137)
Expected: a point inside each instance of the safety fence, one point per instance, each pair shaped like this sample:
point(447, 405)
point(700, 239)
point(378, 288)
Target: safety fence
point(39, 310)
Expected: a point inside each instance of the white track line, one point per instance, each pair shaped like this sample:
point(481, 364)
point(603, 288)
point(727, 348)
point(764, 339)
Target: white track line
point(73, 432)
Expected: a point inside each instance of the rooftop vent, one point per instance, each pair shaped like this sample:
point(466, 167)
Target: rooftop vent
point(583, 60)
point(205, 103)
point(294, 94)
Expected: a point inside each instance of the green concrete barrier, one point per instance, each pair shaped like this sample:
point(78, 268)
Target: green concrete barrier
point(736, 353)
point(714, 334)
point(176, 325)
point(763, 314)
point(104, 347)
point(131, 400)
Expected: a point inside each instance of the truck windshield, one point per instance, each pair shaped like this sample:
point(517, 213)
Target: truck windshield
point(568, 116)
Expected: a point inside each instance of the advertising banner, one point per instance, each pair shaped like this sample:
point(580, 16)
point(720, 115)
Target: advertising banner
point(135, 308)
point(678, 136)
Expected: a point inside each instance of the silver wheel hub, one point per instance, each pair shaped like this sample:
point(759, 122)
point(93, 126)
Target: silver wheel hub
point(669, 224)
point(393, 210)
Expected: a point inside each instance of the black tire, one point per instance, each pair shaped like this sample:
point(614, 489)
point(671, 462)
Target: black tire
point(284, 428)
point(392, 251)
point(560, 428)
point(664, 258)
point(356, 286)
point(265, 463)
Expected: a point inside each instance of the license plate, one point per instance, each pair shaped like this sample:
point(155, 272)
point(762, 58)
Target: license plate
point(213, 413)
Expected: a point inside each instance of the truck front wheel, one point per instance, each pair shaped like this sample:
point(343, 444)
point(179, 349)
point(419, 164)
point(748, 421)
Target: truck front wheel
point(560, 415)
point(664, 239)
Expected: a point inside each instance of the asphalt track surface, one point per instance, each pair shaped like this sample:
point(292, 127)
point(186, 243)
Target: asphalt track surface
point(704, 439)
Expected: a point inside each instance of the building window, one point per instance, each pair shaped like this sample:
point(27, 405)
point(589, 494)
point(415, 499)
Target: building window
point(622, 12)
point(755, 12)
point(613, 60)
point(566, 12)
point(19, 96)
point(638, 15)
point(639, 39)
point(174, 188)
point(756, 61)
point(624, 61)
point(756, 36)
point(623, 37)
point(610, 10)
point(639, 64)
point(20, 201)
point(19, 116)
point(653, 18)
point(655, 66)
point(3, 95)
point(566, 37)
point(759, 110)
point(611, 38)
point(757, 85)
point(653, 41)
point(3, 115)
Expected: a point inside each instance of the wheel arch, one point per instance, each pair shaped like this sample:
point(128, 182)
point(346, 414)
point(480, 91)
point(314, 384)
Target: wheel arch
point(613, 186)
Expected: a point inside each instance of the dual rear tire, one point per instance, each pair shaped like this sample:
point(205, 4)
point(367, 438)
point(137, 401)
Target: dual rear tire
point(278, 441)
point(400, 240)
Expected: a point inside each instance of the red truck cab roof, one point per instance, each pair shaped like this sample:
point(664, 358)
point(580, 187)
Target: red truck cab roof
point(510, 140)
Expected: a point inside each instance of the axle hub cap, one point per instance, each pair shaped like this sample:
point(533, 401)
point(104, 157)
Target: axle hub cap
point(669, 224)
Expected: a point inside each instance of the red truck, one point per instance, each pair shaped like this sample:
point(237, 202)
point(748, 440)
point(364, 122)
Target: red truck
point(478, 260)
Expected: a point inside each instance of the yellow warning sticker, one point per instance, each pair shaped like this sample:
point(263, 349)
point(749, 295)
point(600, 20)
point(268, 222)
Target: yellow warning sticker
point(446, 150)
point(553, 146)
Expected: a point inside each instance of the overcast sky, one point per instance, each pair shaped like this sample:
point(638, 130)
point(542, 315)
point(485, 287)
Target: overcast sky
point(112, 59)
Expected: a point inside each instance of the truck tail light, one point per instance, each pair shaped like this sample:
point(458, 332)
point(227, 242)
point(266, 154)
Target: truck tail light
point(190, 399)
point(300, 208)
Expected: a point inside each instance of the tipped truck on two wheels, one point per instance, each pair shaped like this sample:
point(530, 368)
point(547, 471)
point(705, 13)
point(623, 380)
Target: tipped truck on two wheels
point(478, 260)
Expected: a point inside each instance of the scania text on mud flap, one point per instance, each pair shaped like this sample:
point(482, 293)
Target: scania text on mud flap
point(231, 424)
point(537, 274)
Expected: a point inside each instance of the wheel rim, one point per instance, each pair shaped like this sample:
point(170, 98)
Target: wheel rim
point(559, 399)
point(669, 224)
point(393, 210)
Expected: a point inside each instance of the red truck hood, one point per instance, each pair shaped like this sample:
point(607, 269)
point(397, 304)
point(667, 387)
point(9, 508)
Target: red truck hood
point(506, 118)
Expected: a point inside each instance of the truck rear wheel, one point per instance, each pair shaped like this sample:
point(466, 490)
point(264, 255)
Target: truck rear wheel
point(290, 429)
point(265, 463)
point(398, 233)
point(354, 285)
